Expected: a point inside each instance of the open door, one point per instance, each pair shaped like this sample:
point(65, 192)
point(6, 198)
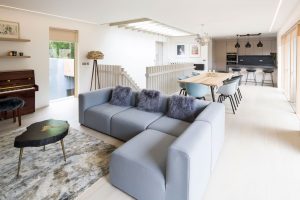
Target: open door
point(62, 63)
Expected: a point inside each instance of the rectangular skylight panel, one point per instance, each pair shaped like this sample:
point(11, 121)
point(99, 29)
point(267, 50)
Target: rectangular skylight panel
point(153, 27)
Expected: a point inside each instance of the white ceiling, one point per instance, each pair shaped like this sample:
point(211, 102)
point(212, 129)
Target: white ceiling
point(222, 18)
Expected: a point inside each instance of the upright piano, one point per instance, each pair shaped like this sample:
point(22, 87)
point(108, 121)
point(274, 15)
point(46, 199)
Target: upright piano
point(19, 83)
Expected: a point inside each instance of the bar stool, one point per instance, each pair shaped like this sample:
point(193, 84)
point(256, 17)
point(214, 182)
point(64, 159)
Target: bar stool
point(254, 75)
point(267, 71)
point(236, 70)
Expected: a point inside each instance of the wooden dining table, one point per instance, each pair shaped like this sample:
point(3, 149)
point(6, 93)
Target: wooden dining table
point(211, 79)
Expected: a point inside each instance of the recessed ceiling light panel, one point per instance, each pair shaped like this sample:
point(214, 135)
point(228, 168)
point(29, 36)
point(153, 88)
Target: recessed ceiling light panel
point(151, 26)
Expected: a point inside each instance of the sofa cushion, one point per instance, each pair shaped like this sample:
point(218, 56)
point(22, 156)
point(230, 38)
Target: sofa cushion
point(99, 117)
point(148, 100)
point(138, 167)
point(181, 107)
point(121, 96)
point(131, 122)
point(169, 125)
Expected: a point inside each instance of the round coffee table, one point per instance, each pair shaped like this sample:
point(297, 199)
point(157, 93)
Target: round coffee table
point(41, 134)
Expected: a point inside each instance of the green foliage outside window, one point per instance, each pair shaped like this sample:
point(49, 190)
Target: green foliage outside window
point(61, 49)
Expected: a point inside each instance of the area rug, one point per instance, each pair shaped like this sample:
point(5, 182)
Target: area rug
point(45, 174)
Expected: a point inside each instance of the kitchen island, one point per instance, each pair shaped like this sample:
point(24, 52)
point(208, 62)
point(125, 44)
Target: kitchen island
point(258, 73)
point(229, 67)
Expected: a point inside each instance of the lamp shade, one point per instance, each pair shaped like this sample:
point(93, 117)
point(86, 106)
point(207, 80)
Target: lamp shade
point(95, 55)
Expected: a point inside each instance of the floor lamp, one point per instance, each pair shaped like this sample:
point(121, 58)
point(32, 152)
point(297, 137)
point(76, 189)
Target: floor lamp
point(95, 55)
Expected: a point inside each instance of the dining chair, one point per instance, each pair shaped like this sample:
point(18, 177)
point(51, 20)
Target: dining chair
point(239, 80)
point(182, 85)
point(195, 73)
point(197, 90)
point(227, 91)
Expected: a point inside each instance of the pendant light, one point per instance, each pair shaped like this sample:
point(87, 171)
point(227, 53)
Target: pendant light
point(248, 45)
point(203, 39)
point(237, 45)
point(260, 44)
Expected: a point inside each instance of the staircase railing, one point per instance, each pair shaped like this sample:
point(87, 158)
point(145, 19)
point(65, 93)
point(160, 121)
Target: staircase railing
point(165, 77)
point(113, 75)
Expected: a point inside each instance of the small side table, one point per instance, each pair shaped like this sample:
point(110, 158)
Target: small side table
point(13, 104)
point(40, 134)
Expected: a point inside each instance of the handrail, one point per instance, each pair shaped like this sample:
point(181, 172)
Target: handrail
point(165, 77)
point(113, 75)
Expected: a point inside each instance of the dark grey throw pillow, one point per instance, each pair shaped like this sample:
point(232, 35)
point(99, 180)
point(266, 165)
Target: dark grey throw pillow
point(148, 100)
point(121, 96)
point(181, 107)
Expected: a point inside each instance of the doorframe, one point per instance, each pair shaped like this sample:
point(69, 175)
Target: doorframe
point(76, 56)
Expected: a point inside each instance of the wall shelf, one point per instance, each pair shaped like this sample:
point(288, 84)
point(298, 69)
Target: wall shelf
point(15, 56)
point(14, 40)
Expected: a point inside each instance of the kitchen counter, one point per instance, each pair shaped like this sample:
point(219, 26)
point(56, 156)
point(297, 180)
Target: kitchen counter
point(250, 66)
point(258, 73)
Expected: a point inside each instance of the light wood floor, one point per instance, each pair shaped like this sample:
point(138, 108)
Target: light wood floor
point(260, 159)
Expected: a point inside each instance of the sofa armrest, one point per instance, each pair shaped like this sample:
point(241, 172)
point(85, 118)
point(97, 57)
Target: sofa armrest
point(214, 114)
point(89, 99)
point(189, 163)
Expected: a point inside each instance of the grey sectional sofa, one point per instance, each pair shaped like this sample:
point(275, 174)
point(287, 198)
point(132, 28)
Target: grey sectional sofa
point(163, 158)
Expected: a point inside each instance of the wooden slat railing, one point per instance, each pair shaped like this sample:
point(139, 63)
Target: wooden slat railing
point(164, 78)
point(113, 75)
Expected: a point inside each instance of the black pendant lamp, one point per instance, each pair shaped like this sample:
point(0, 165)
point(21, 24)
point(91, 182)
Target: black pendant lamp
point(260, 44)
point(237, 45)
point(248, 45)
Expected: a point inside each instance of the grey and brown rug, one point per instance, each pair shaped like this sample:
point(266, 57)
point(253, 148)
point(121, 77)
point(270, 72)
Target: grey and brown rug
point(44, 174)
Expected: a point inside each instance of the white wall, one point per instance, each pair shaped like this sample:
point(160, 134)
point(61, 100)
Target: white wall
point(291, 21)
point(171, 54)
point(132, 50)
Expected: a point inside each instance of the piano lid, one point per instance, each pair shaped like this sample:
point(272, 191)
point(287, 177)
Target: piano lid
point(16, 79)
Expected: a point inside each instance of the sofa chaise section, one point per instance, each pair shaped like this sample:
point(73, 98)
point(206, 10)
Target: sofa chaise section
point(189, 163)
point(156, 165)
point(214, 115)
point(138, 167)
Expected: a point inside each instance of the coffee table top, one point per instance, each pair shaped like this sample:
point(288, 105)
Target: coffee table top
point(42, 133)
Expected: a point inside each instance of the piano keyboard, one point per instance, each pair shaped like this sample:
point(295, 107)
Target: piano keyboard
point(17, 90)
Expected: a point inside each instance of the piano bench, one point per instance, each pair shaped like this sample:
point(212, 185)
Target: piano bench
point(13, 104)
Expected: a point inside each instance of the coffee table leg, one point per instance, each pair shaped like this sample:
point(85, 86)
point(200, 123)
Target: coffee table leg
point(14, 115)
point(19, 116)
point(63, 148)
point(20, 158)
